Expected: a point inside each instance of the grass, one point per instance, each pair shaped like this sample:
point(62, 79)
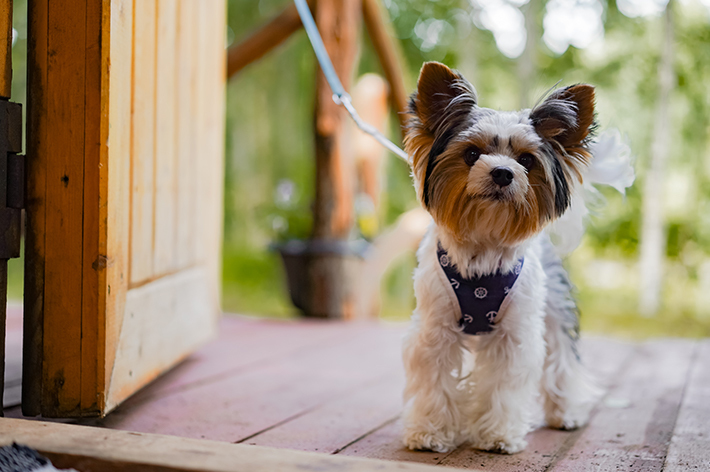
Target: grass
point(253, 283)
point(613, 313)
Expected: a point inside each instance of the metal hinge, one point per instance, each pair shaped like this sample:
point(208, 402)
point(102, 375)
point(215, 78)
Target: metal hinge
point(12, 179)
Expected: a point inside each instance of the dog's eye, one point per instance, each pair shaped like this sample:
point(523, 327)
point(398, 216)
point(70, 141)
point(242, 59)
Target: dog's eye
point(527, 160)
point(471, 155)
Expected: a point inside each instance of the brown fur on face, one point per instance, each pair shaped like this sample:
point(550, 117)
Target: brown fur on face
point(446, 125)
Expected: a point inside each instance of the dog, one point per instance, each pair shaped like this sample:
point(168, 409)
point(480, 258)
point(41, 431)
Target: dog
point(495, 328)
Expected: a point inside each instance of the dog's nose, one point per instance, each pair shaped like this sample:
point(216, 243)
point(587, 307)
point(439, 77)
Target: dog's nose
point(502, 176)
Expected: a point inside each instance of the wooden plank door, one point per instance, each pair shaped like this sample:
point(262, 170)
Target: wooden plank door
point(125, 162)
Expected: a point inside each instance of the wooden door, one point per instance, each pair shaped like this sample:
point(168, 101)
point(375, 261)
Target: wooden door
point(125, 161)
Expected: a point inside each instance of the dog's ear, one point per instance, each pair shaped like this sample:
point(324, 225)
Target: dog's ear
point(566, 116)
point(442, 95)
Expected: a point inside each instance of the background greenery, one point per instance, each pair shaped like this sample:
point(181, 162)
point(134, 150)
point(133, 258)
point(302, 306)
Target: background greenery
point(270, 142)
point(270, 168)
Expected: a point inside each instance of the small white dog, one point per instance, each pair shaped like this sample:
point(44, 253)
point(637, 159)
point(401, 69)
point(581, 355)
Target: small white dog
point(495, 323)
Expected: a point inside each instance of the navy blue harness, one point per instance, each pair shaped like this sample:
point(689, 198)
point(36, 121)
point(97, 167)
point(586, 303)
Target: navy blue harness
point(480, 298)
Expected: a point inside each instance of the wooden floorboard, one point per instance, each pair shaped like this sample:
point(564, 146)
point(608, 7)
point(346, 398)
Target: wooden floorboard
point(339, 423)
point(246, 402)
point(690, 444)
point(335, 387)
point(244, 343)
point(632, 428)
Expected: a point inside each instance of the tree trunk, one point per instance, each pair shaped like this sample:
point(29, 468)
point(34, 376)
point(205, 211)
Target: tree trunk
point(526, 62)
point(653, 240)
point(329, 291)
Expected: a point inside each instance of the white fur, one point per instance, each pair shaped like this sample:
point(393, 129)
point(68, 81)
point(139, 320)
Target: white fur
point(613, 166)
point(526, 353)
point(487, 389)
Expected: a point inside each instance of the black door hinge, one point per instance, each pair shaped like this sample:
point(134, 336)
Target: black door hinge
point(12, 179)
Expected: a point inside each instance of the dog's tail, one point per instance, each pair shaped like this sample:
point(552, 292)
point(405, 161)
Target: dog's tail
point(570, 390)
point(611, 165)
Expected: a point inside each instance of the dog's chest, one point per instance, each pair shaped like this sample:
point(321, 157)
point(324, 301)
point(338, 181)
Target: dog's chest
point(479, 299)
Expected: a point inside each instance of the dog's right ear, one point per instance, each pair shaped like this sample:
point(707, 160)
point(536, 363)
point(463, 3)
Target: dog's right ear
point(442, 95)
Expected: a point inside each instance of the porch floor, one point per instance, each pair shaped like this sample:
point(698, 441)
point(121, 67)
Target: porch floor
point(335, 387)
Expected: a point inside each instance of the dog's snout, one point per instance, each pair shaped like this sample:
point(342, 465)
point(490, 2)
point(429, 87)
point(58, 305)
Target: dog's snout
point(502, 176)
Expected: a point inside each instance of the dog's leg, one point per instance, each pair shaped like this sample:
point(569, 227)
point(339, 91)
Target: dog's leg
point(568, 389)
point(506, 380)
point(432, 361)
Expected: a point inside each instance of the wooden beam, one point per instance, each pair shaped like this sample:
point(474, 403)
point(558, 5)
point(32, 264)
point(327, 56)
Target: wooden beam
point(64, 106)
point(88, 448)
point(263, 40)
point(35, 218)
point(388, 55)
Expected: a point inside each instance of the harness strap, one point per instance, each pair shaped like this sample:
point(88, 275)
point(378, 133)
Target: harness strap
point(481, 299)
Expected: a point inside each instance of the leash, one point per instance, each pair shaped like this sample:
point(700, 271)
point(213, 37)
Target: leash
point(340, 96)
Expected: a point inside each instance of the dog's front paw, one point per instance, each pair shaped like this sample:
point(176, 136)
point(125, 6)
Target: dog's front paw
point(500, 445)
point(431, 441)
point(570, 419)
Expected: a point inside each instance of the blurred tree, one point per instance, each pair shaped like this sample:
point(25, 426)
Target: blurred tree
point(653, 238)
point(270, 142)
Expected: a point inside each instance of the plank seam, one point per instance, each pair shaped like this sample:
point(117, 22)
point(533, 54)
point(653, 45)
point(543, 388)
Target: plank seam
point(131, 144)
point(688, 375)
point(176, 133)
point(337, 396)
point(373, 430)
point(155, 133)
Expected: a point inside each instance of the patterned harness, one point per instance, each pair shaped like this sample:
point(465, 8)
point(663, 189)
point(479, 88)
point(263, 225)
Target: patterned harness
point(480, 298)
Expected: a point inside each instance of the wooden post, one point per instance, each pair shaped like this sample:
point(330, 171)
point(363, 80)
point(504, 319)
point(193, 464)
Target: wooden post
point(329, 287)
point(526, 62)
point(389, 56)
point(338, 21)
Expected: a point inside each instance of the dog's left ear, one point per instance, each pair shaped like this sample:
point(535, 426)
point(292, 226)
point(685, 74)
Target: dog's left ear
point(443, 95)
point(566, 116)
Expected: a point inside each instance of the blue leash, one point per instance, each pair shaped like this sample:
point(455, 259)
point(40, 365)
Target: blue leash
point(340, 96)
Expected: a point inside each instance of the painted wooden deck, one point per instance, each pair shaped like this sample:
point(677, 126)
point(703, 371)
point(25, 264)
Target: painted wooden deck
point(335, 388)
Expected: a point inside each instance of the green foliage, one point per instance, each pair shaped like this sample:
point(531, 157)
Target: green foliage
point(253, 283)
point(270, 115)
point(616, 313)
